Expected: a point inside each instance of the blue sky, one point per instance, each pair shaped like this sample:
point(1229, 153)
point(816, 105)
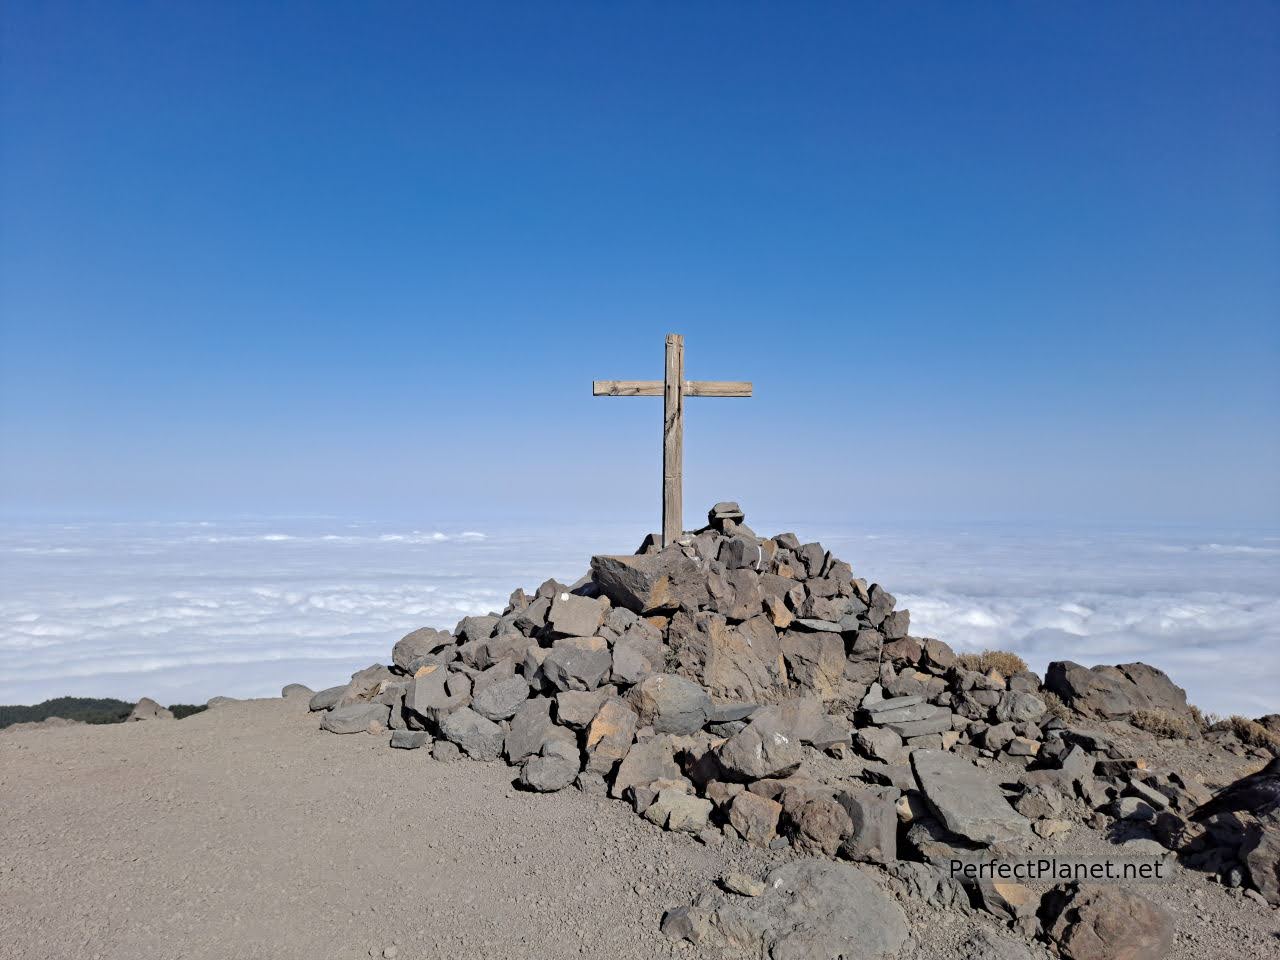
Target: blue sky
point(982, 261)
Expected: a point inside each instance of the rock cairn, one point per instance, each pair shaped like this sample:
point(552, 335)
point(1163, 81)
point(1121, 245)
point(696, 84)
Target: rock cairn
point(736, 685)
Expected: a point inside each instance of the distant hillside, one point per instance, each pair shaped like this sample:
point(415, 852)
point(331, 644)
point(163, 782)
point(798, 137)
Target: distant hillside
point(86, 709)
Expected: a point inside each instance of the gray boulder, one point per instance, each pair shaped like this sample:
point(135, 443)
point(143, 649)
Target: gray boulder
point(815, 660)
point(879, 744)
point(1114, 693)
point(444, 751)
point(531, 728)
point(650, 583)
point(553, 769)
point(725, 510)
point(575, 616)
point(1260, 853)
point(410, 739)
point(765, 747)
point(874, 837)
point(577, 708)
point(471, 629)
point(477, 736)
point(435, 692)
point(420, 643)
point(671, 704)
point(1015, 707)
point(296, 690)
point(965, 799)
point(355, 717)
point(646, 762)
point(674, 809)
point(577, 663)
point(610, 735)
point(810, 910)
point(326, 699)
point(501, 699)
point(365, 684)
point(1102, 922)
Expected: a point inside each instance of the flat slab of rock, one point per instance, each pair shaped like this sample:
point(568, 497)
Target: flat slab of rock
point(966, 799)
point(809, 910)
point(355, 717)
point(938, 721)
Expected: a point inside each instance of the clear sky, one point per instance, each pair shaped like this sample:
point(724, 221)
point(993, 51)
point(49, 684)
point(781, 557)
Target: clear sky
point(1015, 260)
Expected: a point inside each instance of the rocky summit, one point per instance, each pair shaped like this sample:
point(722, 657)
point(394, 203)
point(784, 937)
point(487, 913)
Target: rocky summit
point(756, 690)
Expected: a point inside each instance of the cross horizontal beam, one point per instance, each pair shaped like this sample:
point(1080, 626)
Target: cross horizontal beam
point(653, 388)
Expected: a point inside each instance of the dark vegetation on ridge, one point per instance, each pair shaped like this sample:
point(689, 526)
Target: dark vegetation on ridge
point(84, 709)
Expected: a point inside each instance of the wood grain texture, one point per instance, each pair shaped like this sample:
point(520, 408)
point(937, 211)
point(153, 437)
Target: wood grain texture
point(673, 440)
point(717, 388)
point(655, 388)
point(626, 388)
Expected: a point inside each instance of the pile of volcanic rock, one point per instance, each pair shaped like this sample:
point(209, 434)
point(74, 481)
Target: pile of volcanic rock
point(749, 687)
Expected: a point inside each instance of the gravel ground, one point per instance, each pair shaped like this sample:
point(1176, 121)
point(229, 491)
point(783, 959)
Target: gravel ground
point(245, 831)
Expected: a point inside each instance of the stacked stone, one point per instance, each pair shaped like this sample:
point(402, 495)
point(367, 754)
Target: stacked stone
point(694, 681)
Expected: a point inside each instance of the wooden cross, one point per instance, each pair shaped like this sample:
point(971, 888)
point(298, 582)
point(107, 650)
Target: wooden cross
point(673, 388)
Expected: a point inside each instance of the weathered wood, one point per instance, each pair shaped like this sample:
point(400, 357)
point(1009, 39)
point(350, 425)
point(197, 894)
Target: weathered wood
point(673, 440)
point(654, 388)
point(626, 388)
point(717, 388)
point(673, 388)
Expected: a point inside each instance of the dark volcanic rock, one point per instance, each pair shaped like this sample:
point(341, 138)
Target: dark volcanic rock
point(1114, 693)
point(967, 801)
point(671, 704)
point(1106, 923)
point(810, 909)
point(765, 747)
point(649, 583)
point(355, 717)
point(419, 643)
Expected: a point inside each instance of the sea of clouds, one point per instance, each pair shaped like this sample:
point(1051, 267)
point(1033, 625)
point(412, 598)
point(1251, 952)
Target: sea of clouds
point(183, 611)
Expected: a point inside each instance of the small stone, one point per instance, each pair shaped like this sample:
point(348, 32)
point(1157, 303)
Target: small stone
point(755, 818)
point(445, 751)
point(742, 885)
point(409, 739)
point(1050, 828)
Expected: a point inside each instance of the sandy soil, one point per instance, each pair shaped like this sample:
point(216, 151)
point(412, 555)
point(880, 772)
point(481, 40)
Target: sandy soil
point(245, 831)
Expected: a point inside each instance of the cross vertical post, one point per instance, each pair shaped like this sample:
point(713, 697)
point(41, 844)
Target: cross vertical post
point(673, 441)
point(673, 388)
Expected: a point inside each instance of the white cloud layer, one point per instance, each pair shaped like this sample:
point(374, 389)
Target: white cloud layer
point(182, 612)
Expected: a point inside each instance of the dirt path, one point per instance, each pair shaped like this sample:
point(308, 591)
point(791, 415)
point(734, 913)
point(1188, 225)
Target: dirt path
point(247, 832)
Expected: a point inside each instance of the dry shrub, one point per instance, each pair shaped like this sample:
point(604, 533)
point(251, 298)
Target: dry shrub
point(1003, 662)
point(1161, 723)
point(1057, 707)
point(1250, 732)
point(1205, 721)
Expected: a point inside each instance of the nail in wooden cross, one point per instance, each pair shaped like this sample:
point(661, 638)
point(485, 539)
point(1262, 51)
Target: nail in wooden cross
point(673, 388)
